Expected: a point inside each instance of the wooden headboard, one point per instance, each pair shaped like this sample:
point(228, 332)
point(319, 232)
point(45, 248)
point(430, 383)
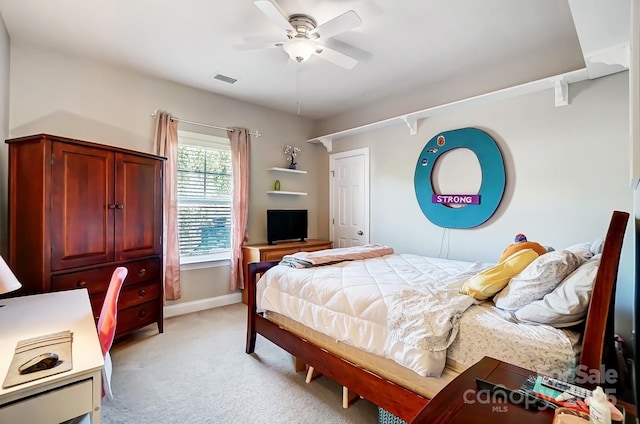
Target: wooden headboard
point(597, 342)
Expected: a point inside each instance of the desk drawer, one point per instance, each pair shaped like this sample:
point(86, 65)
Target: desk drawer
point(54, 406)
point(97, 280)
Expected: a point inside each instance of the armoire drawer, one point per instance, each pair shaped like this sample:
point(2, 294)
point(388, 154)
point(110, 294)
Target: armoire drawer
point(143, 271)
point(137, 316)
point(97, 280)
point(129, 296)
point(140, 293)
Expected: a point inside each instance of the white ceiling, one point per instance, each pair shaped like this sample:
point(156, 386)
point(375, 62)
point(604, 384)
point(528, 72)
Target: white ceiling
point(401, 46)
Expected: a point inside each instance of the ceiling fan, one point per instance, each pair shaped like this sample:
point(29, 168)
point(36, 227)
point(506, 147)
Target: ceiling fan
point(304, 35)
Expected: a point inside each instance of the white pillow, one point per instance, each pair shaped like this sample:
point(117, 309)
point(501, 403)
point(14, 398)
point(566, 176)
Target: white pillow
point(596, 246)
point(539, 278)
point(568, 303)
point(582, 251)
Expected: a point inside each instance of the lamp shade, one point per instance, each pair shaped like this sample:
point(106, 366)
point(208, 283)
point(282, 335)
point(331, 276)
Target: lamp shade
point(299, 49)
point(8, 281)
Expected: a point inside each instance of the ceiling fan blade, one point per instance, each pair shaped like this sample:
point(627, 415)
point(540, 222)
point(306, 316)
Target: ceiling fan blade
point(341, 23)
point(273, 11)
point(336, 57)
point(252, 43)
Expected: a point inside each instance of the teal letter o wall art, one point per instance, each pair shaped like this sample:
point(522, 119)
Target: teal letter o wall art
point(481, 207)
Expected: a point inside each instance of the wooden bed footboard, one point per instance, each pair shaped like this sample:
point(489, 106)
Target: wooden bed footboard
point(406, 404)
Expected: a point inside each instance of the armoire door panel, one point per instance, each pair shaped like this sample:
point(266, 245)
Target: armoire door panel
point(80, 209)
point(138, 213)
point(82, 206)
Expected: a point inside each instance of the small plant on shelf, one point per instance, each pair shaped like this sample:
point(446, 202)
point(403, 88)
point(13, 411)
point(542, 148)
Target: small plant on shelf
point(291, 152)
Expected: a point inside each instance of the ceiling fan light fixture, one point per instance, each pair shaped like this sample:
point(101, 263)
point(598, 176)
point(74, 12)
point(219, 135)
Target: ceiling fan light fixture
point(299, 49)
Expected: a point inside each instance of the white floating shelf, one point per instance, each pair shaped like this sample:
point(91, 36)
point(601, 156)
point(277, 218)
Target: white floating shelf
point(559, 83)
point(291, 193)
point(293, 171)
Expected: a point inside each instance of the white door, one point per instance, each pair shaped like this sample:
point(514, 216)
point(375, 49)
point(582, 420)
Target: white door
point(349, 194)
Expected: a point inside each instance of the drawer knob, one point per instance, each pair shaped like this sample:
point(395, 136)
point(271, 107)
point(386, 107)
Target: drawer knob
point(142, 313)
point(81, 284)
point(142, 292)
point(142, 272)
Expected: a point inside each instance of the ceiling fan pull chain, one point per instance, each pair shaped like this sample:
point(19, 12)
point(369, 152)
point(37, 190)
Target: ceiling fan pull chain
point(298, 87)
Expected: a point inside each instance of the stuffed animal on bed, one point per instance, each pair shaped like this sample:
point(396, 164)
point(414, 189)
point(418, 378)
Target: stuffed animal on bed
point(520, 242)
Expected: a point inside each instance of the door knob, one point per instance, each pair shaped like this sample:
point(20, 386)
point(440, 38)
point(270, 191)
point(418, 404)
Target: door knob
point(360, 233)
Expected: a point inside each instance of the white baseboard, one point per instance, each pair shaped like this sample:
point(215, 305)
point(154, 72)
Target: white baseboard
point(201, 304)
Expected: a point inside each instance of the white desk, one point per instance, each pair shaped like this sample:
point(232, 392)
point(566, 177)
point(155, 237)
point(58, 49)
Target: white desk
point(61, 396)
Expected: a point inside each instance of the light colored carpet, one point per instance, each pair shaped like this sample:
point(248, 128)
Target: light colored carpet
point(197, 372)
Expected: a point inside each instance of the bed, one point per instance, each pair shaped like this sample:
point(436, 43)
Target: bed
point(389, 374)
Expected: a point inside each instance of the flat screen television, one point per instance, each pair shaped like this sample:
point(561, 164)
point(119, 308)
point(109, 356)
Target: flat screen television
point(286, 224)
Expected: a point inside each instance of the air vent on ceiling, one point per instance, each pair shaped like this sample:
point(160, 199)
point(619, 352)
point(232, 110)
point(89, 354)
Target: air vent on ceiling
point(224, 78)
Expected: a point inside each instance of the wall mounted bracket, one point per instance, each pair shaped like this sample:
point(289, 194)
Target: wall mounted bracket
point(327, 143)
point(412, 124)
point(561, 87)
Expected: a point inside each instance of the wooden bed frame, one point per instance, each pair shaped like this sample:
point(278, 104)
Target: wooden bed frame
point(597, 341)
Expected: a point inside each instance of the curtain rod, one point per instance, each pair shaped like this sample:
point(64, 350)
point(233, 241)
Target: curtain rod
point(174, 118)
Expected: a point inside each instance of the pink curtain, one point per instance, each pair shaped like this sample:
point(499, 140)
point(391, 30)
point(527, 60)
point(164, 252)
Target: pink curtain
point(240, 141)
point(166, 144)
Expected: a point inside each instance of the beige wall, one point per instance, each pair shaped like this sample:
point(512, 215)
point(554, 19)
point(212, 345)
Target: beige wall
point(567, 167)
point(567, 170)
point(82, 99)
point(4, 131)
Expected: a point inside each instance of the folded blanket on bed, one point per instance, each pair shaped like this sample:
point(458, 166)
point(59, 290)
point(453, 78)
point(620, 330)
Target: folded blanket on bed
point(427, 318)
point(330, 256)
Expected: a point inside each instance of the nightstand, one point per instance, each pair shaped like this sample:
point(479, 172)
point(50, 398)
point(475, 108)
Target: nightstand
point(457, 402)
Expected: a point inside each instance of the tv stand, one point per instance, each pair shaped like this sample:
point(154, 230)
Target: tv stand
point(275, 252)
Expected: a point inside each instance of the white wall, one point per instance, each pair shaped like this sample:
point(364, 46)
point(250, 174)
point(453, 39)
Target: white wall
point(567, 170)
point(78, 98)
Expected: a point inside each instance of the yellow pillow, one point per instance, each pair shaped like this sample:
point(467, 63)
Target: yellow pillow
point(486, 283)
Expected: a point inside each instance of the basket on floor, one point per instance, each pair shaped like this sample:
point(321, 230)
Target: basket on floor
point(386, 417)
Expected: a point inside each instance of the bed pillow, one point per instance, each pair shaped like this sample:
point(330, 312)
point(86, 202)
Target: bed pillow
point(568, 303)
point(596, 246)
point(487, 283)
point(582, 251)
point(539, 278)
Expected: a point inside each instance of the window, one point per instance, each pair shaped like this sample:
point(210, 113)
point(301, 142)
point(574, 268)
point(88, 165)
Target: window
point(204, 197)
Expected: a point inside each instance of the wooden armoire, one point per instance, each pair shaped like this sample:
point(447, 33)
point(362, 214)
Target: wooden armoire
point(78, 210)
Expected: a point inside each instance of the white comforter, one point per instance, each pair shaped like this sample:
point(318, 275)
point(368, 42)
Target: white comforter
point(350, 302)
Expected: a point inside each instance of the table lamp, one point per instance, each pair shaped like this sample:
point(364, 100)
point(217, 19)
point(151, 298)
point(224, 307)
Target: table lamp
point(8, 281)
